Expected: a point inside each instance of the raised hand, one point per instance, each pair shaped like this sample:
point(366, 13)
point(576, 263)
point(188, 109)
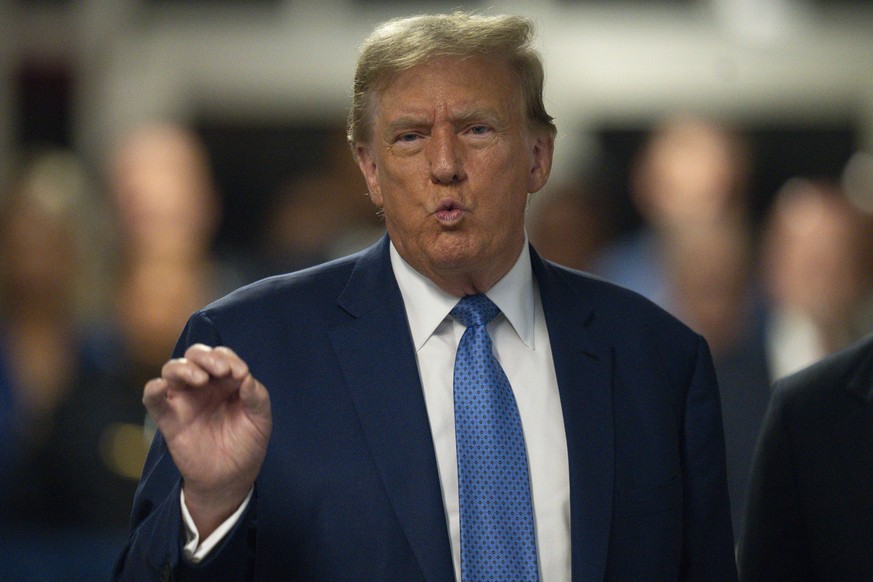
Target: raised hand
point(216, 420)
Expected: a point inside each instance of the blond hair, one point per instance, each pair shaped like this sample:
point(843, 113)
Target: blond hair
point(402, 43)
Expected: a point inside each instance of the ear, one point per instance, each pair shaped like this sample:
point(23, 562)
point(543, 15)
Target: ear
point(542, 150)
point(370, 171)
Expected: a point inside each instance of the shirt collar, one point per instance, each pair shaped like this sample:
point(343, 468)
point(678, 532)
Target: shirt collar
point(427, 305)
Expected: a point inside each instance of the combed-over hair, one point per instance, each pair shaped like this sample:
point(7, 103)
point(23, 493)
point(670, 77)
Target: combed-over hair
point(402, 43)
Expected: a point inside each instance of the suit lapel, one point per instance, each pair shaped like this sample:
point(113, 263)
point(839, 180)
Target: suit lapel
point(584, 370)
point(390, 405)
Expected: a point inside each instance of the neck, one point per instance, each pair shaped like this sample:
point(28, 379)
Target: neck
point(462, 284)
point(466, 279)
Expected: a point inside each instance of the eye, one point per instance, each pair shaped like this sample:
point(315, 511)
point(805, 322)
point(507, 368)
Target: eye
point(408, 137)
point(479, 129)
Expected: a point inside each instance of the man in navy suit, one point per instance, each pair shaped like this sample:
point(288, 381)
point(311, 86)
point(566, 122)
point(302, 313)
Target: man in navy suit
point(306, 422)
point(809, 514)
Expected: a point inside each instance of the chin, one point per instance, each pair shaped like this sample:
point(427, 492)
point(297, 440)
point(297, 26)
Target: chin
point(449, 252)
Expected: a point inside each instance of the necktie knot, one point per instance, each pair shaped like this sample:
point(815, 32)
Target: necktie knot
point(475, 310)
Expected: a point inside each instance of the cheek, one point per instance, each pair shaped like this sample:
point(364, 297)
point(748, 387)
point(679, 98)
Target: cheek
point(503, 216)
point(401, 212)
point(402, 186)
point(512, 165)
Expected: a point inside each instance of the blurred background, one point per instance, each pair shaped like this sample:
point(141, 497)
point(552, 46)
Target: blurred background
point(714, 155)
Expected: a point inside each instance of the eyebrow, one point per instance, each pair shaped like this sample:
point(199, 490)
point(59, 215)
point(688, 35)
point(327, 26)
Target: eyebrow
point(405, 122)
point(479, 113)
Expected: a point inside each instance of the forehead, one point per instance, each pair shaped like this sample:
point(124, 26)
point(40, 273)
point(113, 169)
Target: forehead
point(450, 83)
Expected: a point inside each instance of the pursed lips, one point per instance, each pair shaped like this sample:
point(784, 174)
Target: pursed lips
point(449, 211)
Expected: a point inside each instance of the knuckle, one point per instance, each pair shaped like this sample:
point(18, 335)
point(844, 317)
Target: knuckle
point(197, 348)
point(226, 351)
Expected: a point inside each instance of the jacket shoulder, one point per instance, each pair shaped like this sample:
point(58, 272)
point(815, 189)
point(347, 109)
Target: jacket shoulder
point(318, 283)
point(624, 308)
point(846, 372)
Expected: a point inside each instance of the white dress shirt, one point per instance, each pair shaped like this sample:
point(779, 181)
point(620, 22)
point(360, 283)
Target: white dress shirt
point(521, 345)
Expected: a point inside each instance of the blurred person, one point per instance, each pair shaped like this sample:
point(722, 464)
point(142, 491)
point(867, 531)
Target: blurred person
point(308, 422)
point(695, 255)
point(568, 226)
point(165, 212)
point(311, 220)
point(817, 272)
point(48, 286)
point(51, 291)
point(302, 223)
point(810, 505)
point(714, 281)
point(712, 274)
point(690, 176)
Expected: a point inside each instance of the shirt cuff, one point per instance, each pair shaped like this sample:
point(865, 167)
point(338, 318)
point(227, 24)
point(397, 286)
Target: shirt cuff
point(195, 551)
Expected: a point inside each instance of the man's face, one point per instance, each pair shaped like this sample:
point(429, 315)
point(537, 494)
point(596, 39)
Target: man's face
point(451, 161)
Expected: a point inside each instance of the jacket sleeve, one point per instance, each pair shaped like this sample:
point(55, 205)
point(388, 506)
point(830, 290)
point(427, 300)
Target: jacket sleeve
point(154, 548)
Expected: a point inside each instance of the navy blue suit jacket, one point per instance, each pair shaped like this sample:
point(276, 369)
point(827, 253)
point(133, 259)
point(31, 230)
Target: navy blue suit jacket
point(349, 489)
point(809, 515)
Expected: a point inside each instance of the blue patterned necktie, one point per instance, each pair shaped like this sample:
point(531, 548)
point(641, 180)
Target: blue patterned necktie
point(497, 530)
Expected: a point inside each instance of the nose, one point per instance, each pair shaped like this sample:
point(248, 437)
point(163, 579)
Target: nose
point(446, 157)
